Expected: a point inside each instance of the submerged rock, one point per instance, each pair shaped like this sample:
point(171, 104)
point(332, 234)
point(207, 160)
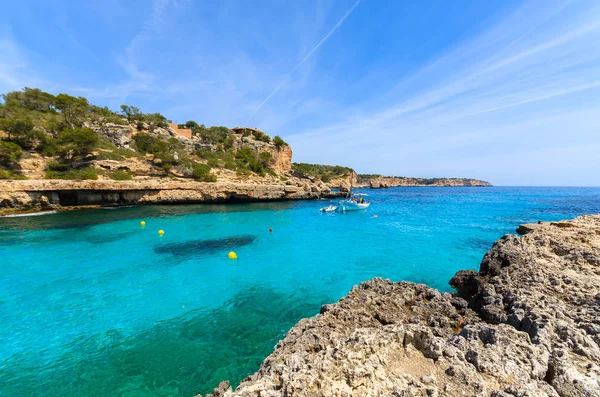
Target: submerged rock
point(526, 324)
point(203, 247)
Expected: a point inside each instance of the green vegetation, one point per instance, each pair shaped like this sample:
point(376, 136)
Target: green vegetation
point(57, 126)
point(9, 153)
point(362, 177)
point(201, 172)
point(134, 115)
point(247, 159)
point(324, 173)
point(261, 136)
point(278, 142)
point(164, 151)
point(108, 151)
point(120, 175)
point(4, 174)
point(65, 170)
point(77, 144)
point(213, 135)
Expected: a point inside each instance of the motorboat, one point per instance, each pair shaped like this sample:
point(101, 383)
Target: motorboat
point(330, 208)
point(354, 202)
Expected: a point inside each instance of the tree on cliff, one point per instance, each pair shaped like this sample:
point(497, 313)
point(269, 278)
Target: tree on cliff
point(132, 113)
point(77, 143)
point(17, 129)
point(72, 108)
point(30, 99)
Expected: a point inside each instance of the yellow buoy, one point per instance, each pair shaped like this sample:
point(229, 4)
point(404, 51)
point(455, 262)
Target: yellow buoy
point(143, 223)
point(161, 232)
point(232, 255)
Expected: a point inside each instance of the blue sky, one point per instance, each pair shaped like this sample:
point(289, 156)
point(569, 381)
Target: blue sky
point(506, 91)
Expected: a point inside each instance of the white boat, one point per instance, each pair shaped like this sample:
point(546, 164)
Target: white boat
point(330, 208)
point(354, 203)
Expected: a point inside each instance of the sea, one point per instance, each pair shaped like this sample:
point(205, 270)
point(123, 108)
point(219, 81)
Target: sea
point(93, 303)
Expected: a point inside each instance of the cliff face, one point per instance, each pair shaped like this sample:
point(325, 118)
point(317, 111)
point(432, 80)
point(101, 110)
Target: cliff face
point(526, 324)
point(57, 194)
point(386, 182)
point(121, 136)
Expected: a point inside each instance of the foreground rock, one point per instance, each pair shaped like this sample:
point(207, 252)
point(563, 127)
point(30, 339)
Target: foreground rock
point(526, 324)
point(18, 196)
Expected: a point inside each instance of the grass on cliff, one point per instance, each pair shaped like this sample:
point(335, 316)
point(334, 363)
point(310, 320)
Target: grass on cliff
point(120, 175)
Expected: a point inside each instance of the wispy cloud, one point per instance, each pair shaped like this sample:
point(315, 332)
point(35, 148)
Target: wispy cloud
point(312, 51)
point(529, 66)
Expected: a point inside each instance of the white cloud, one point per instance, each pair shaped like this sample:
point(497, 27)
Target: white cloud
point(528, 67)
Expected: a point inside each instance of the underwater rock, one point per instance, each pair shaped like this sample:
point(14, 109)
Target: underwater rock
point(526, 324)
point(203, 247)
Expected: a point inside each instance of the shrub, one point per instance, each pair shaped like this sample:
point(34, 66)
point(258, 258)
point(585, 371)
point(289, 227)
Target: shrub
point(144, 142)
point(265, 159)
point(120, 175)
point(201, 172)
point(16, 127)
point(261, 136)
point(228, 143)
point(87, 173)
point(246, 158)
point(156, 119)
point(5, 174)
point(214, 162)
point(278, 142)
point(77, 143)
point(9, 153)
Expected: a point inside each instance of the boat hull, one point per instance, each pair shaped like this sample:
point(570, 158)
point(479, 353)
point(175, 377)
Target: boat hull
point(351, 206)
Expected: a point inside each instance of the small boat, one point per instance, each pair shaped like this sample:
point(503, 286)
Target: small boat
point(355, 202)
point(330, 208)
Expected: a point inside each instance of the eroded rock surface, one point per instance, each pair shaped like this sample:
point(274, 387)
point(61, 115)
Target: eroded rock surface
point(526, 324)
point(56, 194)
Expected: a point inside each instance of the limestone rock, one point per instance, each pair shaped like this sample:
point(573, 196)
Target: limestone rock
point(526, 324)
point(26, 194)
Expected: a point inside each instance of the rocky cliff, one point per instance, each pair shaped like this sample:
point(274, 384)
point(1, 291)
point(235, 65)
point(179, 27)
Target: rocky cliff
point(526, 324)
point(380, 182)
point(18, 196)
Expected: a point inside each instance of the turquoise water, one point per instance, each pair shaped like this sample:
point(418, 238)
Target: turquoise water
point(91, 303)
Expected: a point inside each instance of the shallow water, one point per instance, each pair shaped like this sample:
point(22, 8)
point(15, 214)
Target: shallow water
point(92, 303)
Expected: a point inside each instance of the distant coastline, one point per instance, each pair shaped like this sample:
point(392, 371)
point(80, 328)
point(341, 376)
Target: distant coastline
point(382, 182)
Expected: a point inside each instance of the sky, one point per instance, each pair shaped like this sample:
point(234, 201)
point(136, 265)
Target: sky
point(504, 91)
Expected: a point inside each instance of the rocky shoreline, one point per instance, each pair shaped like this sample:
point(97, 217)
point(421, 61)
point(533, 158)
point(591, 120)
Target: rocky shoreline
point(37, 195)
point(384, 182)
point(526, 324)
